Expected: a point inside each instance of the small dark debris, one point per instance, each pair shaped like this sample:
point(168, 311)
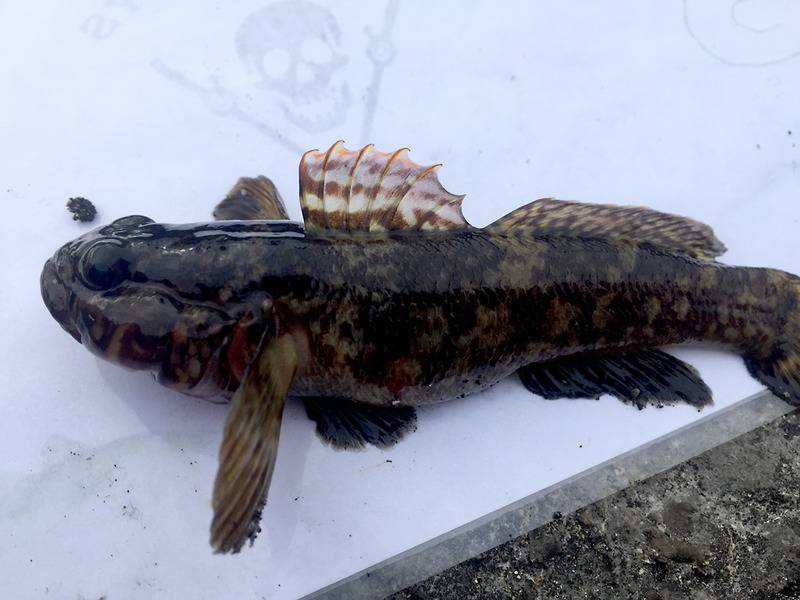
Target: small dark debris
point(584, 517)
point(388, 460)
point(789, 132)
point(82, 209)
point(545, 550)
point(254, 527)
point(557, 516)
point(677, 516)
point(675, 550)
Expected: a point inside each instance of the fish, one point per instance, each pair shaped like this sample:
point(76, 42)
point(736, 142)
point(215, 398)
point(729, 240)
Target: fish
point(385, 298)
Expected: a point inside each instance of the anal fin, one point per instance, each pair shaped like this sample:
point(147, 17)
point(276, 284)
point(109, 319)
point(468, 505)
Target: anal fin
point(250, 444)
point(252, 199)
point(640, 378)
point(347, 425)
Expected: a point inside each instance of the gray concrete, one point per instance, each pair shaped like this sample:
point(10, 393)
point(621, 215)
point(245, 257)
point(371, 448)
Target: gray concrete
point(725, 524)
point(566, 497)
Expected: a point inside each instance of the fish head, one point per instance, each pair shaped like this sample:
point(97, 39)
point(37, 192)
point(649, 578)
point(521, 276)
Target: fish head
point(91, 287)
point(123, 290)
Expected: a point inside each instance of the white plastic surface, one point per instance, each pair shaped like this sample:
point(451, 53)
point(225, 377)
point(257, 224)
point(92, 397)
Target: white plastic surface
point(105, 478)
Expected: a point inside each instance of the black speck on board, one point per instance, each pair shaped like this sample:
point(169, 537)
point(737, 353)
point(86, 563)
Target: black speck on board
point(82, 209)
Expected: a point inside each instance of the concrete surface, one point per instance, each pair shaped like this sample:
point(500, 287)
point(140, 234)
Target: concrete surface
point(725, 524)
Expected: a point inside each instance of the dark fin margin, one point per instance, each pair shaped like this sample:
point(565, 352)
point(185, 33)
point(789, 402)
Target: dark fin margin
point(639, 378)
point(347, 425)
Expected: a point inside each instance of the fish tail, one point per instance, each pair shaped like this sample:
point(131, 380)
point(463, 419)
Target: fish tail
point(775, 362)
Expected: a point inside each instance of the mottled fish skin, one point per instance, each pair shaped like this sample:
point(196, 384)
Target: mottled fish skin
point(411, 319)
point(397, 317)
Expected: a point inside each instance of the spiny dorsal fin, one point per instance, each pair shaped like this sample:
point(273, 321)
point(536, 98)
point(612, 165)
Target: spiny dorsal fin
point(368, 190)
point(252, 198)
point(549, 216)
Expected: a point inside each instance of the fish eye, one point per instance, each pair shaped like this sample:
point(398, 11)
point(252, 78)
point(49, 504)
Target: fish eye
point(104, 266)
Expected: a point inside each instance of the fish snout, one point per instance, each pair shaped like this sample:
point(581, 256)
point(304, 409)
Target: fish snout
point(56, 297)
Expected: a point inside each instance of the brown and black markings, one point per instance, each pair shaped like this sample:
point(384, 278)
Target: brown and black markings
point(386, 298)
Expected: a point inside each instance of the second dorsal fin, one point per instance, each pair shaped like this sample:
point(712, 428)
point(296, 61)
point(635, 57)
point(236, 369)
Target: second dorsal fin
point(368, 190)
point(549, 216)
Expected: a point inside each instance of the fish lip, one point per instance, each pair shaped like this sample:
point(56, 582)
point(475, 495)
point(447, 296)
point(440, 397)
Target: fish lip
point(58, 298)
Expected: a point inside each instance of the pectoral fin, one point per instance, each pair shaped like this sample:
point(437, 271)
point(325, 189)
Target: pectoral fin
point(252, 198)
point(640, 378)
point(250, 444)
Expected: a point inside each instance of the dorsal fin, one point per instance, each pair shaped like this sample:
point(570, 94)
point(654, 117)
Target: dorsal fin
point(368, 190)
point(549, 216)
point(252, 198)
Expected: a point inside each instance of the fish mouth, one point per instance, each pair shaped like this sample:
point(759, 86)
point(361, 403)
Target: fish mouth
point(58, 299)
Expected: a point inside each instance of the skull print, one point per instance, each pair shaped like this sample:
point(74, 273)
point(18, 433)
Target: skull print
point(293, 50)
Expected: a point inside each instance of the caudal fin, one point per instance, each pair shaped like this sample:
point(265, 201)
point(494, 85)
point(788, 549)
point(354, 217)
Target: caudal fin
point(778, 367)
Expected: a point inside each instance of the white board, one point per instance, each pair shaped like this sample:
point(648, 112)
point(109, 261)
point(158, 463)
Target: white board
point(105, 478)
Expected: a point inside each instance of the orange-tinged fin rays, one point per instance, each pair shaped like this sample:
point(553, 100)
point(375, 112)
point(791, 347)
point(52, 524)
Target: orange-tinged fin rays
point(252, 198)
point(250, 444)
point(368, 190)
